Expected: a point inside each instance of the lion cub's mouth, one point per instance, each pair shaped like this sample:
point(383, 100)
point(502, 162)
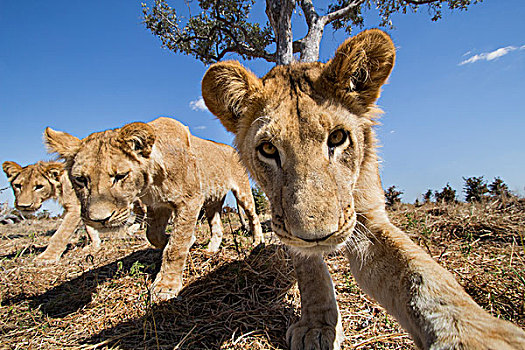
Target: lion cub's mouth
point(117, 219)
point(326, 244)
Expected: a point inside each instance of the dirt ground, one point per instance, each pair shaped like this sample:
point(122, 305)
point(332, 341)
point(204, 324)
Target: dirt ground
point(242, 297)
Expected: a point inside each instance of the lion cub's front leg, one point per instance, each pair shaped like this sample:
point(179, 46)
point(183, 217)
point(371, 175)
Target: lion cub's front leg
point(423, 296)
point(320, 324)
point(95, 239)
point(60, 238)
point(168, 282)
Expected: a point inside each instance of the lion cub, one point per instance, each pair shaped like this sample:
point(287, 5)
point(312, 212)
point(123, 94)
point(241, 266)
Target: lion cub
point(34, 184)
point(170, 171)
point(305, 132)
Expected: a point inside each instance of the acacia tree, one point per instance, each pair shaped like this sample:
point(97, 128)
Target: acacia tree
point(223, 26)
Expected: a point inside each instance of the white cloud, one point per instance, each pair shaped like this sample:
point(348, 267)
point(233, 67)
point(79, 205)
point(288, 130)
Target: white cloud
point(489, 56)
point(198, 105)
point(200, 127)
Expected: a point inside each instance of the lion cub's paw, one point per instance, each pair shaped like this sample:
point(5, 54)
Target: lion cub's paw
point(301, 336)
point(46, 258)
point(165, 289)
point(214, 245)
point(132, 229)
point(92, 248)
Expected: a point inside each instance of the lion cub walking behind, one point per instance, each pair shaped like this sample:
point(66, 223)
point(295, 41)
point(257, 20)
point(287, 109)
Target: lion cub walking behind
point(170, 171)
point(34, 184)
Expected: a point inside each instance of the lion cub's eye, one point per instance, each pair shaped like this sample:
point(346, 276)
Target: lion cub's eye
point(39, 187)
point(17, 186)
point(119, 177)
point(266, 149)
point(80, 181)
point(337, 138)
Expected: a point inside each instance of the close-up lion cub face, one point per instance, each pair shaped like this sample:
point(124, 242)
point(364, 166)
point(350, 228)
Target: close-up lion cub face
point(33, 184)
point(303, 131)
point(108, 170)
point(306, 154)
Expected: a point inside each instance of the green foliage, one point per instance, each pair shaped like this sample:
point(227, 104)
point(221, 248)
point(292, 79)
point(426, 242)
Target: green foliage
point(475, 189)
point(261, 202)
point(221, 27)
point(136, 269)
point(499, 189)
point(427, 196)
point(446, 195)
point(434, 7)
point(387, 8)
point(210, 29)
point(392, 196)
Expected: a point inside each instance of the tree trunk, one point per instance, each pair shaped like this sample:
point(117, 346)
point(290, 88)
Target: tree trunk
point(312, 41)
point(279, 13)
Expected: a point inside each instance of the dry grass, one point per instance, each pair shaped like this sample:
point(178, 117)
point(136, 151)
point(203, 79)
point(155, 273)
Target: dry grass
point(240, 298)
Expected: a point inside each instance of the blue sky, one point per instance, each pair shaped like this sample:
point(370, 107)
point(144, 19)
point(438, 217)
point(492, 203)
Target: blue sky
point(454, 105)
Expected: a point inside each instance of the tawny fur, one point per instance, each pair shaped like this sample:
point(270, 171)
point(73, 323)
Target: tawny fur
point(170, 171)
point(34, 184)
point(327, 196)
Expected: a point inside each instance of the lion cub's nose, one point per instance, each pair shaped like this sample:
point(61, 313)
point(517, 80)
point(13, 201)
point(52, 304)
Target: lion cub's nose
point(102, 220)
point(99, 214)
point(24, 206)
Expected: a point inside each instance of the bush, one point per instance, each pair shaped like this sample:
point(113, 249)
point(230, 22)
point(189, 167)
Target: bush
point(427, 196)
point(499, 189)
point(447, 195)
point(261, 202)
point(392, 196)
point(475, 189)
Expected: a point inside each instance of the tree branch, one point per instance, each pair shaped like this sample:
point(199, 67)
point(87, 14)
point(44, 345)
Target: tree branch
point(310, 14)
point(420, 2)
point(332, 16)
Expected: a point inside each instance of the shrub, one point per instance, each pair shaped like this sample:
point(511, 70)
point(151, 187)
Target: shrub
point(499, 189)
point(427, 196)
point(446, 195)
point(261, 202)
point(392, 196)
point(475, 189)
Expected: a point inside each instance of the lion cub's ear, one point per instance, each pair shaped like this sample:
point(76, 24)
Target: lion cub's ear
point(62, 143)
point(54, 171)
point(137, 138)
point(229, 90)
point(360, 67)
point(11, 169)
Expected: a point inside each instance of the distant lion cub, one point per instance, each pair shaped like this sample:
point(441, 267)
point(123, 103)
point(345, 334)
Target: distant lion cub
point(34, 184)
point(305, 132)
point(170, 171)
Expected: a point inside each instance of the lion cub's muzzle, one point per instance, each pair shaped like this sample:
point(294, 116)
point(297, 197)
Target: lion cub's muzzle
point(117, 218)
point(28, 208)
point(313, 243)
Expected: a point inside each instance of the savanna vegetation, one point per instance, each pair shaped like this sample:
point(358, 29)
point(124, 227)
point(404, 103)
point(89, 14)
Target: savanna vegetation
point(243, 297)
